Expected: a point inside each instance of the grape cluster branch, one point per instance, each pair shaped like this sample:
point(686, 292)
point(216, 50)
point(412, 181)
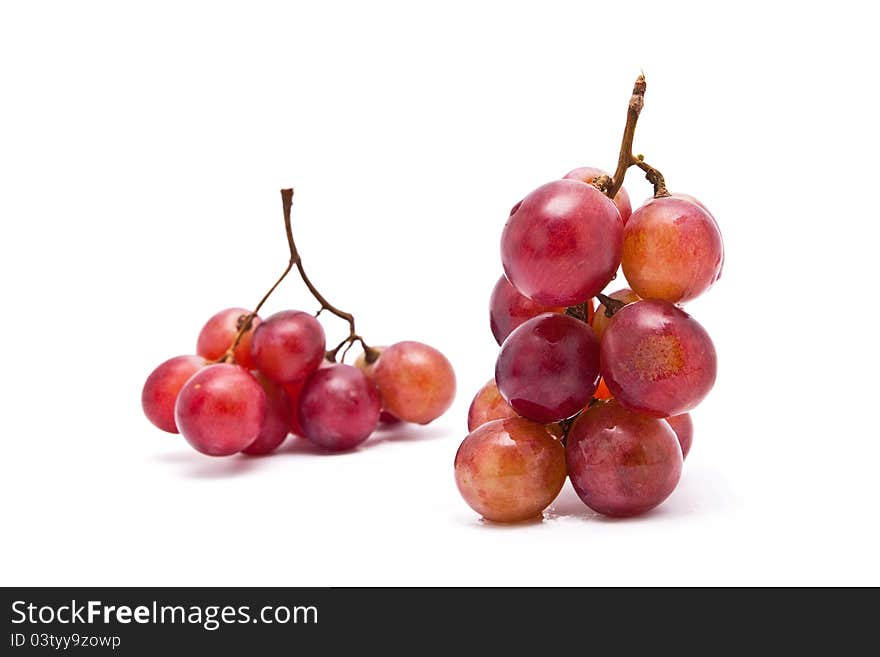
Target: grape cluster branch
point(626, 159)
point(245, 321)
point(610, 185)
point(296, 260)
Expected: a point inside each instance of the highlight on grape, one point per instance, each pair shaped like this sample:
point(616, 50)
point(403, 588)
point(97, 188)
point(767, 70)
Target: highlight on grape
point(253, 382)
point(601, 394)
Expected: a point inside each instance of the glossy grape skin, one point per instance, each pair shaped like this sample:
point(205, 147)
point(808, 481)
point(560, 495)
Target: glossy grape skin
point(683, 426)
point(600, 320)
point(221, 409)
point(657, 359)
point(218, 333)
point(561, 244)
point(622, 463)
point(416, 382)
point(696, 201)
point(162, 387)
point(692, 199)
point(510, 469)
point(339, 407)
point(288, 346)
point(548, 368)
point(276, 423)
point(508, 309)
point(672, 250)
point(488, 405)
point(621, 199)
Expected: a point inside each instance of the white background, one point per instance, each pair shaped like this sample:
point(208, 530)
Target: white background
point(141, 153)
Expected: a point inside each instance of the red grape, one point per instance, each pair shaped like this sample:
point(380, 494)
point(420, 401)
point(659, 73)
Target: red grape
point(276, 424)
point(600, 319)
point(509, 470)
point(561, 244)
point(339, 407)
point(488, 405)
point(162, 387)
point(218, 333)
point(417, 382)
point(672, 250)
point(288, 346)
point(589, 174)
point(657, 359)
point(622, 463)
point(508, 309)
point(548, 368)
point(221, 409)
point(683, 426)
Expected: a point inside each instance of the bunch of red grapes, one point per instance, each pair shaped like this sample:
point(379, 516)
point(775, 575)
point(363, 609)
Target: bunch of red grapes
point(599, 395)
point(253, 382)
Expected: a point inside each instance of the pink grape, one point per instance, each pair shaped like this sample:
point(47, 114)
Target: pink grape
point(488, 405)
point(221, 409)
point(622, 463)
point(276, 424)
point(561, 244)
point(510, 469)
point(672, 250)
point(288, 346)
point(683, 426)
point(508, 309)
point(600, 320)
point(548, 368)
point(218, 333)
point(417, 382)
point(621, 199)
point(162, 387)
point(339, 407)
point(657, 359)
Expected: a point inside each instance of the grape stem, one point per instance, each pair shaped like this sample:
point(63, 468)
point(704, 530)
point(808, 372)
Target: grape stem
point(370, 354)
point(578, 312)
point(611, 185)
point(245, 321)
point(611, 305)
